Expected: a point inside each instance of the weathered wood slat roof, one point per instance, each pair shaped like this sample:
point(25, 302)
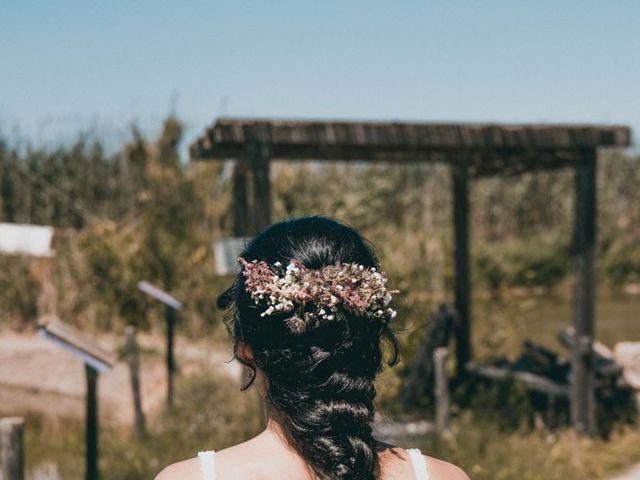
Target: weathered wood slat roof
point(487, 148)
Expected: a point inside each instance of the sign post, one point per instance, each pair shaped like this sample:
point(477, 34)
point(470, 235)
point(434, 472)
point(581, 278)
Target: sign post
point(170, 318)
point(226, 251)
point(97, 360)
point(91, 433)
point(172, 305)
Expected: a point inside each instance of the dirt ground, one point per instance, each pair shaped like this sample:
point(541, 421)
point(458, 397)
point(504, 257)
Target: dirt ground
point(632, 474)
point(37, 376)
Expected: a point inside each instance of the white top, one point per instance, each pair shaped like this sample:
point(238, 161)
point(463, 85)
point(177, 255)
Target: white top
point(208, 464)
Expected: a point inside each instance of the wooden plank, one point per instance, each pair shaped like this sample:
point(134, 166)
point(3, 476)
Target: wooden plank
point(532, 381)
point(11, 448)
point(583, 415)
point(462, 286)
point(77, 342)
point(507, 149)
point(160, 295)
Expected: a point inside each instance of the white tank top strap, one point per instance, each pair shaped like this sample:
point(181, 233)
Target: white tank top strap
point(419, 464)
point(207, 464)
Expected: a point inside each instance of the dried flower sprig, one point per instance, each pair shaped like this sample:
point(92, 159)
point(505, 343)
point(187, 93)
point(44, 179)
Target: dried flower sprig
point(359, 290)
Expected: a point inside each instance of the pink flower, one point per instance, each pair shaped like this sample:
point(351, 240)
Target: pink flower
point(360, 290)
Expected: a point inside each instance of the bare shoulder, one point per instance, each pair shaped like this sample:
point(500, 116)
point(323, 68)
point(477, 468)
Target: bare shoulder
point(184, 470)
point(396, 465)
point(256, 458)
point(441, 470)
point(231, 461)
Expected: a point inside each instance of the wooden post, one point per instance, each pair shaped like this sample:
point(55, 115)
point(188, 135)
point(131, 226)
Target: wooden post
point(11, 448)
point(172, 305)
point(583, 414)
point(462, 289)
point(260, 165)
point(91, 437)
point(420, 381)
point(170, 315)
point(240, 200)
point(440, 357)
point(133, 360)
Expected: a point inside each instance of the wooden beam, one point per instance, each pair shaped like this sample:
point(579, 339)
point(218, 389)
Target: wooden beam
point(417, 136)
point(260, 163)
point(583, 409)
point(507, 149)
point(241, 218)
point(462, 288)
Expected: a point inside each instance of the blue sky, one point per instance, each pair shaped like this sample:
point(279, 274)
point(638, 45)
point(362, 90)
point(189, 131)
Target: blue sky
point(71, 66)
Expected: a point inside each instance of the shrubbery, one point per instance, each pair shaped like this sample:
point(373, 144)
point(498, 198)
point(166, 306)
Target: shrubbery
point(522, 264)
point(622, 264)
point(141, 213)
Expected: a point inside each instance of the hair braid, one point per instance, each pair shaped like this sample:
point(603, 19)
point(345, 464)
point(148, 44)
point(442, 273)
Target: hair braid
point(321, 382)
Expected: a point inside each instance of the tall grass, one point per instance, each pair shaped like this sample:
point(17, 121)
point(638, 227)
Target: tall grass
point(213, 414)
point(210, 413)
point(487, 452)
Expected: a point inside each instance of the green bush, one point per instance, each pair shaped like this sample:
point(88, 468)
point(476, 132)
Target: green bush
point(521, 264)
point(19, 290)
point(622, 264)
point(210, 413)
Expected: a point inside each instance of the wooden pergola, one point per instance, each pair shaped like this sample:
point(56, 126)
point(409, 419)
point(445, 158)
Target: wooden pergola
point(472, 151)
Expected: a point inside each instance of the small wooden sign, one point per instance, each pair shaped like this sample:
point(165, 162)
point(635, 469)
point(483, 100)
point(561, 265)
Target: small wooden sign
point(23, 239)
point(96, 360)
point(76, 342)
point(226, 251)
point(159, 295)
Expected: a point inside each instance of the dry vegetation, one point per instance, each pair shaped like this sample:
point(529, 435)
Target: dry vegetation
point(141, 214)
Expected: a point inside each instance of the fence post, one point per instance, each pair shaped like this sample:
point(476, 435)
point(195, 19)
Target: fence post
point(134, 369)
point(92, 428)
point(11, 448)
point(440, 356)
point(170, 317)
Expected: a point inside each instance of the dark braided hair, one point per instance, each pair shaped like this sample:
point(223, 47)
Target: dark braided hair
point(320, 382)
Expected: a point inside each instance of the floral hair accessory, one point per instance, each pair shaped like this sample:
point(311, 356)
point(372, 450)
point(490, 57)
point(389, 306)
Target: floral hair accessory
point(359, 290)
